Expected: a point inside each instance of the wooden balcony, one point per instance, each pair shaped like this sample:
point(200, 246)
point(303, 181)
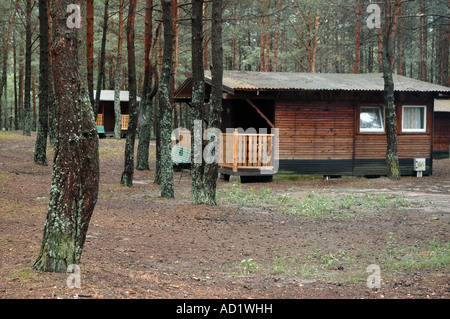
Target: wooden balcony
point(240, 152)
point(100, 120)
point(246, 151)
point(125, 121)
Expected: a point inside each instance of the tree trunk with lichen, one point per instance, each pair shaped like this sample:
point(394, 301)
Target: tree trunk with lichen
point(391, 18)
point(118, 79)
point(27, 117)
point(148, 93)
point(40, 150)
point(75, 178)
point(198, 104)
point(211, 169)
point(128, 172)
point(165, 107)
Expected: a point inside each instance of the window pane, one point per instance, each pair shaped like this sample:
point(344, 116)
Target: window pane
point(371, 118)
point(414, 118)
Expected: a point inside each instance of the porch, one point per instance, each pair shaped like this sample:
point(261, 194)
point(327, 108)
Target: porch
point(240, 154)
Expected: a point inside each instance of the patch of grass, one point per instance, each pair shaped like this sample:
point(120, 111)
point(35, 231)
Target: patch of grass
point(107, 151)
point(432, 256)
point(236, 194)
point(286, 265)
point(313, 204)
point(4, 177)
point(7, 135)
point(22, 274)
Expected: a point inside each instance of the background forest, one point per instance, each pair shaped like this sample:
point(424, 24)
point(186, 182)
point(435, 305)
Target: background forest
point(264, 35)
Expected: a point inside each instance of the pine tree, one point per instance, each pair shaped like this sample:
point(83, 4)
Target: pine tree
point(75, 177)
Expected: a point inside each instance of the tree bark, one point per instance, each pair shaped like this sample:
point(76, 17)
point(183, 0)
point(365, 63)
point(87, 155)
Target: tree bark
point(5, 57)
point(277, 37)
point(391, 18)
point(27, 121)
point(175, 13)
point(198, 100)
point(21, 86)
point(16, 108)
point(118, 78)
point(75, 177)
point(145, 114)
point(165, 107)
point(128, 172)
point(358, 35)
point(101, 64)
point(90, 47)
point(51, 92)
point(40, 151)
point(215, 113)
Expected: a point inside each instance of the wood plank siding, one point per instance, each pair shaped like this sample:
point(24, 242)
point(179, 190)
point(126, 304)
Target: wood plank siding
point(441, 140)
point(322, 136)
point(315, 131)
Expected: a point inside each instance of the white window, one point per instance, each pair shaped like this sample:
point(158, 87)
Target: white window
point(371, 119)
point(414, 118)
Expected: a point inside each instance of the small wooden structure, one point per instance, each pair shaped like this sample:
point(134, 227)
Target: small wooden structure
point(106, 117)
point(243, 154)
point(329, 124)
point(441, 140)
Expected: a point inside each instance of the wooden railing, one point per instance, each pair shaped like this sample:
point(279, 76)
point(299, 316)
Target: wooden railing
point(240, 150)
point(100, 121)
point(125, 121)
point(246, 151)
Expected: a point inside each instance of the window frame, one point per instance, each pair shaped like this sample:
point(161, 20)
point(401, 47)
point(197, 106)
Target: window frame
point(382, 114)
point(421, 130)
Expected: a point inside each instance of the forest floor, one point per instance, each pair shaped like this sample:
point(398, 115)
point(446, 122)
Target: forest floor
point(304, 238)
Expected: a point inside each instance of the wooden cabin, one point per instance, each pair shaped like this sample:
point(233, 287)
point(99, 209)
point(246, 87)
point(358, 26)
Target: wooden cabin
point(328, 124)
point(106, 117)
point(441, 140)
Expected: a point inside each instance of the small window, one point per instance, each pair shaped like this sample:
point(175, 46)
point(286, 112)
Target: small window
point(414, 119)
point(371, 119)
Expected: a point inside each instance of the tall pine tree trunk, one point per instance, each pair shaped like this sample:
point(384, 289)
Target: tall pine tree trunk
point(118, 79)
point(75, 177)
point(198, 100)
point(16, 102)
point(146, 105)
point(27, 120)
point(90, 47)
point(40, 151)
point(215, 112)
point(358, 35)
point(128, 172)
point(165, 87)
point(101, 63)
point(391, 18)
point(5, 58)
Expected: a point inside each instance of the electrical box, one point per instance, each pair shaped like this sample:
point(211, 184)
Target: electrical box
point(420, 164)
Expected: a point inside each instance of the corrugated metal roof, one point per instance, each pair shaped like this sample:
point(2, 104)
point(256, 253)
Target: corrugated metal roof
point(442, 105)
point(108, 95)
point(269, 81)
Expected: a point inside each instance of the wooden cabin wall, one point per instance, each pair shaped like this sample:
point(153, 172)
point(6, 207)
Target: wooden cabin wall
point(441, 139)
point(320, 133)
point(315, 131)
